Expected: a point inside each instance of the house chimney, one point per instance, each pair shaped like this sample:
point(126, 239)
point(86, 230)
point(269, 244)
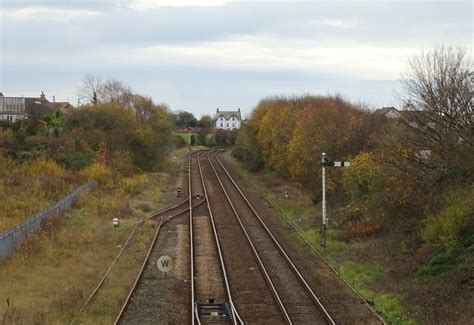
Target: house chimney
point(42, 95)
point(54, 99)
point(218, 110)
point(238, 109)
point(1, 95)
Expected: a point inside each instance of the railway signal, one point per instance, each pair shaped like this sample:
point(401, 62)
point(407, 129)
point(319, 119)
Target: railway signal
point(326, 163)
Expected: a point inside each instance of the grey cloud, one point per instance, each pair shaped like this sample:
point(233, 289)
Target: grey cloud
point(57, 54)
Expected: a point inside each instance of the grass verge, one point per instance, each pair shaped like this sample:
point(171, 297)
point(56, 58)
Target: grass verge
point(55, 270)
point(299, 211)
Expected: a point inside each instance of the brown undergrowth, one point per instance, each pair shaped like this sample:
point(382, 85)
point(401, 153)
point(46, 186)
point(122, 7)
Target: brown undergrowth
point(51, 275)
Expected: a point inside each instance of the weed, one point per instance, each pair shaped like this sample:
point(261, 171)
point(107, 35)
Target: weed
point(440, 264)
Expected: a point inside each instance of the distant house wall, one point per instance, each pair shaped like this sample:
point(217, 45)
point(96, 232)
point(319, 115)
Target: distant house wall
point(227, 120)
point(12, 108)
point(227, 124)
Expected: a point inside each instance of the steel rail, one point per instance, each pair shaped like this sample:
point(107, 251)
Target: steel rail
point(300, 277)
point(163, 220)
point(319, 255)
point(235, 314)
point(105, 275)
point(191, 239)
point(252, 246)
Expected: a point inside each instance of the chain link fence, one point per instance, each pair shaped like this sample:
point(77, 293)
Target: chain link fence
point(13, 237)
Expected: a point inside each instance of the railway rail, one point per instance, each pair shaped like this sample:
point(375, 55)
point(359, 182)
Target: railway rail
point(172, 212)
point(282, 275)
point(210, 261)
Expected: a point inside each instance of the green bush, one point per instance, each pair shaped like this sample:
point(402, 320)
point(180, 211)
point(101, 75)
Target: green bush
point(447, 228)
point(440, 264)
point(179, 141)
point(247, 150)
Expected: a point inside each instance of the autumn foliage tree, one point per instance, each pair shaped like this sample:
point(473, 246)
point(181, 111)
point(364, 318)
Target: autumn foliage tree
point(143, 137)
point(288, 135)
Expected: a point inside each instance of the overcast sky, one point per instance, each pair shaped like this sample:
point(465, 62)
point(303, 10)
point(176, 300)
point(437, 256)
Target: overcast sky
point(198, 55)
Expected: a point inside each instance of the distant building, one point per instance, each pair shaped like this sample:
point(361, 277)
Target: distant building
point(389, 112)
point(415, 119)
point(18, 108)
point(227, 120)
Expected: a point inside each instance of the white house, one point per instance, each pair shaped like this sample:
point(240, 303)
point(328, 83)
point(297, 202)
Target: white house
point(227, 120)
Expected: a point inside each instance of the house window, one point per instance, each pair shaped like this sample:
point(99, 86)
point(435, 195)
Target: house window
point(222, 124)
point(227, 124)
point(233, 124)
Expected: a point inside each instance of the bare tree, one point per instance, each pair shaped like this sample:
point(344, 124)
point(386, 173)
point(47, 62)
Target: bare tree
point(90, 88)
point(439, 95)
point(143, 106)
point(116, 91)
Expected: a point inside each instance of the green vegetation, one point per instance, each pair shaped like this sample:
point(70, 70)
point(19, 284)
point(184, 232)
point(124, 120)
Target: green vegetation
point(121, 140)
point(28, 187)
point(185, 136)
point(449, 227)
point(405, 203)
point(55, 270)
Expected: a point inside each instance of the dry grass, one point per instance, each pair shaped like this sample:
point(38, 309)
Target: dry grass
point(28, 187)
point(50, 277)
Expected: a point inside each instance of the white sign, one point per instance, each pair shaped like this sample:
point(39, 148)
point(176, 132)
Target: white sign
point(165, 264)
point(342, 164)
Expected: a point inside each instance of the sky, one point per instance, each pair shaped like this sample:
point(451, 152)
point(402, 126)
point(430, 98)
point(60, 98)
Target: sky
point(199, 55)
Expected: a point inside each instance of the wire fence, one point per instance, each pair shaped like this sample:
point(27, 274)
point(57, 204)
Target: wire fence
point(12, 238)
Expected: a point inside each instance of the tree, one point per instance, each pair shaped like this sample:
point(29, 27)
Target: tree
point(220, 137)
point(146, 141)
point(93, 90)
point(205, 121)
point(116, 91)
point(439, 94)
point(89, 90)
point(185, 120)
point(202, 135)
point(247, 150)
point(143, 106)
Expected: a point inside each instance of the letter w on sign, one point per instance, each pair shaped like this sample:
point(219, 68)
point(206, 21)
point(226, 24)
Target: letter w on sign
point(165, 264)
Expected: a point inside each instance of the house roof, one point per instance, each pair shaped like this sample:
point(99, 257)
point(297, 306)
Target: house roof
point(37, 105)
point(385, 110)
point(60, 105)
point(227, 114)
point(41, 105)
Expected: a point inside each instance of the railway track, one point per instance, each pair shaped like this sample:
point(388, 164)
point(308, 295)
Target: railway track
point(211, 300)
point(296, 300)
point(180, 209)
point(210, 295)
point(235, 277)
point(124, 246)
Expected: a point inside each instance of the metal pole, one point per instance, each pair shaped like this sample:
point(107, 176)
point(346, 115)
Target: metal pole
point(323, 204)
